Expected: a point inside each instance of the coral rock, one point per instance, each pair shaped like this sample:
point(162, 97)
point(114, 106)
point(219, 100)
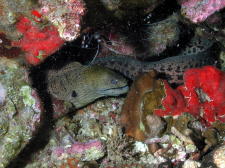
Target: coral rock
point(162, 34)
point(146, 92)
point(67, 18)
point(19, 117)
point(37, 43)
point(200, 95)
point(216, 158)
point(198, 11)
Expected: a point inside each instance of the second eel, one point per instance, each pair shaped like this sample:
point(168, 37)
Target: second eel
point(196, 54)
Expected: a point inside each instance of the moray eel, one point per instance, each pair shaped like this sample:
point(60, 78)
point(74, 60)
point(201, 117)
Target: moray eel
point(196, 54)
point(81, 85)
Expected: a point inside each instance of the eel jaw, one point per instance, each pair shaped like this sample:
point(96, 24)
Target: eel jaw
point(113, 91)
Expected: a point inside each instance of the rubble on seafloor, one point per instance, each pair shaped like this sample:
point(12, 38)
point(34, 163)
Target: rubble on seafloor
point(93, 134)
point(155, 125)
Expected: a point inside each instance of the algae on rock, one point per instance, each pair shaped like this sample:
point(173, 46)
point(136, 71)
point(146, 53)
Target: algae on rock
point(18, 113)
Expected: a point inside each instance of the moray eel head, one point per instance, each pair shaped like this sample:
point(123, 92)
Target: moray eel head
point(95, 82)
point(106, 82)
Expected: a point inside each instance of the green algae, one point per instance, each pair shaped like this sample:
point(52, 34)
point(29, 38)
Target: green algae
point(28, 100)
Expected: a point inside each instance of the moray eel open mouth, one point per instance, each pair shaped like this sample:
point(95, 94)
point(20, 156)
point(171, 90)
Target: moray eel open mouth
point(114, 91)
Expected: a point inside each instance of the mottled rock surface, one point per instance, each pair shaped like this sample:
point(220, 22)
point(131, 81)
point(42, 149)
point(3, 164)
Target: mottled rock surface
point(19, 116)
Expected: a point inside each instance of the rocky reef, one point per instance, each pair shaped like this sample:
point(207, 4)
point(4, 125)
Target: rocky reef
point(173, 113)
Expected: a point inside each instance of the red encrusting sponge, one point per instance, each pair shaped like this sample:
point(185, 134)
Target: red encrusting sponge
point(37, 43)
point(202, 95)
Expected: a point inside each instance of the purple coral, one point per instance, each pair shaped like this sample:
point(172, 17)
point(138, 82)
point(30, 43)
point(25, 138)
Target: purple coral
point(199, 10)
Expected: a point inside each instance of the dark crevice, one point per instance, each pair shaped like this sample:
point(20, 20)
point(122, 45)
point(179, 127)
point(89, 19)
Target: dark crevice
point(161, 12)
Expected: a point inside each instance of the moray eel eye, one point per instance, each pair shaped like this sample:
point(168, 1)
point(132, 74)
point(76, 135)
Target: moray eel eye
point(114, 81)
point(74, 94)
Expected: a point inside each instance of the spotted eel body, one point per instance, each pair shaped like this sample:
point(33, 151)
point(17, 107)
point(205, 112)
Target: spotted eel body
point(196, 54)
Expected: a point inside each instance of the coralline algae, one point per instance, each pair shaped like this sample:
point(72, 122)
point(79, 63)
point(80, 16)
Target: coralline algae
point(67, 18)
point(19, 116)
point(198, 10)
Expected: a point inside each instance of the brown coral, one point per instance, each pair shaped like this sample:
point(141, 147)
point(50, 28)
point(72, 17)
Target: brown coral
point(137, 117)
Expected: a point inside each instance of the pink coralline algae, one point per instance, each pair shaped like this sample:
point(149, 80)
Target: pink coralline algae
point(82, 149)
point(37, 43)
point(202, 95)
point(199, 10)
point(67, 18)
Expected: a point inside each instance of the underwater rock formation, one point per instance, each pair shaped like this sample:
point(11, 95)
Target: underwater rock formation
point(191, 118)
point(216, 158)
point(200, 95)
point(161, 35)
point(67, 18)
point(95, 124)
point(19, 115)
point(64, 148)
point(37, 43)
point(137, 115)
point(39, 39)
point(197, 11)
point(191, 164)
point(9, 13)
point(77, 139)
point(86, 151)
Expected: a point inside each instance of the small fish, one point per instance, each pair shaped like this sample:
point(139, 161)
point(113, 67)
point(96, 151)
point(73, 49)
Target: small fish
point(81, 85)
point(196, 54)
